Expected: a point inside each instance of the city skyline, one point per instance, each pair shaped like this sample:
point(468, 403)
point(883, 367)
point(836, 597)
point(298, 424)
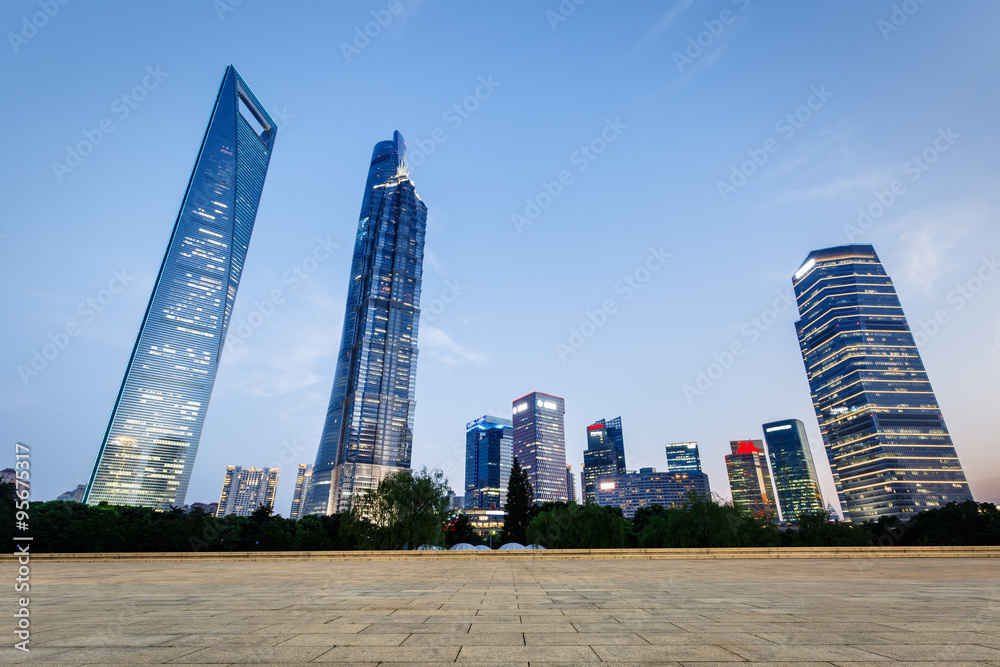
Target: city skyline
point(635, 261)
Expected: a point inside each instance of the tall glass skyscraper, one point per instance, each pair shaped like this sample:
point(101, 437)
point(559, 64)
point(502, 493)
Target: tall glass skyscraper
point(683, 457)
point(750, 478)
point(888, 446)
point(368, 432)
point(488, 457)
point(540, 444)
point(793, 469)
point(149, 448)
point(604, 456)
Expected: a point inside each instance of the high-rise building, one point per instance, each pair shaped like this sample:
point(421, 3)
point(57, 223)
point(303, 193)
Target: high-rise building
point(750, 478)
point(793, 469)
point(246, 489)
point(683, 457)
point(488, 457)
point(303, 479)
point(368, 432)
point(540, 444)
point(152, 438)
point(645, 488)
point(8, 476)
point(604, 456)
point(888, 446)
point(570, 484)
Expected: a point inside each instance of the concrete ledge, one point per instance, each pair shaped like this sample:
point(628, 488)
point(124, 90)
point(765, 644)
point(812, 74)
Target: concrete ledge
point(532, 555)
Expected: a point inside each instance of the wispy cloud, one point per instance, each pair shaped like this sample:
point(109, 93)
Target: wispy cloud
point(703, 63)
point(443, 349)
point(662, 25)
point(926, 238)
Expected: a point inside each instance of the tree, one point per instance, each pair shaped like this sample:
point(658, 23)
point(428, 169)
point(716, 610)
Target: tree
point(572, 526)
point(404, 511)
point(458, 530)
point(517, 510)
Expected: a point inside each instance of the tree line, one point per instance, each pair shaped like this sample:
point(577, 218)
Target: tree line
point(410, 509)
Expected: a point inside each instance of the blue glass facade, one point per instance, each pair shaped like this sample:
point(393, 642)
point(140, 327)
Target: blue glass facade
point(540, 444)
point(793, 469)
point(885, 437)
point(368, 432)
point(488, 458)
point(604, 456)
point(149, 448)
point(683, 457)
point(633, 490)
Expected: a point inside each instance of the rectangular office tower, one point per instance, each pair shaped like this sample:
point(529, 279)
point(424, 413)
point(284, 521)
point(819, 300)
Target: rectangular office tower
point(792, 469)
point(152, 438)
point(488, 457)
point(540, 444)
point(604, 456)
point(302, 482)
point(750, 478)
point(570, 484)
point(885, 437)
point(683, 457)
point(368, 432)
point(246, 489)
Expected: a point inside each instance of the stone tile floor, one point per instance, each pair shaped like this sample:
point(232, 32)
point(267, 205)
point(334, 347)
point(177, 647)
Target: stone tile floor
point(534, 612)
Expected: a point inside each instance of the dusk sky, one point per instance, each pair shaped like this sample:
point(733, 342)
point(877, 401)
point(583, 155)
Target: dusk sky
point(618, 193)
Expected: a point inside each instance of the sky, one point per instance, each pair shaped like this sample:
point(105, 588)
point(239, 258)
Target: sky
point(618, 197)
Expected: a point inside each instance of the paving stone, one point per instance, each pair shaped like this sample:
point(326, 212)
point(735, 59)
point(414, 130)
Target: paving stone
point(790, 612)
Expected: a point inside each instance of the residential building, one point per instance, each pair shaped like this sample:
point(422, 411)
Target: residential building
point(303, 479)
point(244, 490)
point(76, 495)
point(889, 449)
point(149, 447)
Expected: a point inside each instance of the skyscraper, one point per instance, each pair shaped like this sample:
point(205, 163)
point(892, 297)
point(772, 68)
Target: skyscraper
point(793, 469)
point(540, 444)
point(302, 481)
point(152, 438)
point(246, 489)
point(604, 456)
point(368, 432)
point(750, 478)
point(683, 457)
point(889, 449)
point(570, 484)
point(488, 457)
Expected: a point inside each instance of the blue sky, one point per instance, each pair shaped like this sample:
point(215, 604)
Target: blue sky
point(608, 130)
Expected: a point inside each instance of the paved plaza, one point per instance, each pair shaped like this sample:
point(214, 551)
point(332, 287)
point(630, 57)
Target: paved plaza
point(932, 611)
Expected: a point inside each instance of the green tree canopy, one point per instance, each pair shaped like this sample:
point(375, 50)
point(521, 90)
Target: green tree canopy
point(517, 510)
point(404, 511)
